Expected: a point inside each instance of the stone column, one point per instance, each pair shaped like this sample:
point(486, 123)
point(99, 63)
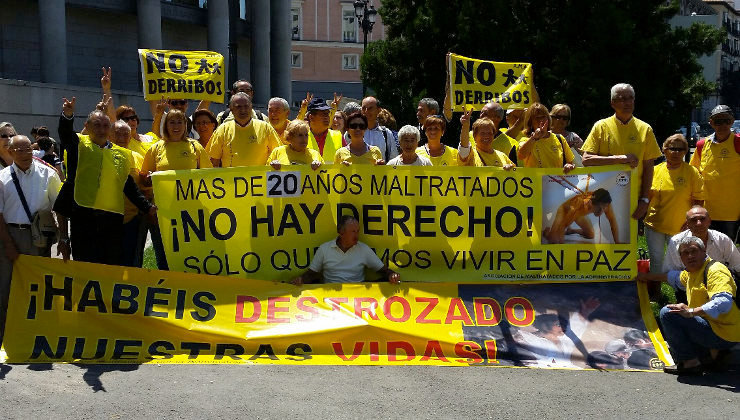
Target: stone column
point(218, 30)
point(280, 43)
point(149, 23)
point(261, 51)
point(53, 28)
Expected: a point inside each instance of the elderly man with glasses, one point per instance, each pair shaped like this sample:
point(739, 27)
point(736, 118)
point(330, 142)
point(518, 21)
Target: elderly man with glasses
point(26, 187)
point(718, 160)
point(622, 138)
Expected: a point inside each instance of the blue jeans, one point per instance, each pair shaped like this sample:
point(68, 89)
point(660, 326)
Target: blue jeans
point(690, 338)
point(159, 253)
point(656, 242)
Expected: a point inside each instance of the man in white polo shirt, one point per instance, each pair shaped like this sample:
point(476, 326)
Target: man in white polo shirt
point(343, 260)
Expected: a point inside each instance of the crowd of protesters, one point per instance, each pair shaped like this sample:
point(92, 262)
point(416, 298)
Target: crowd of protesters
point(107, 201)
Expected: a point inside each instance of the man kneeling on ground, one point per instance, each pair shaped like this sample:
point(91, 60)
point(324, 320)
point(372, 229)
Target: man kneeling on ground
point(343, 260)
point(701, 333)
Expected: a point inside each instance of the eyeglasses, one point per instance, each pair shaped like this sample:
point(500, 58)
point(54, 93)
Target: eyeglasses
point(624, 98)
point(676, 149)
point(357, 126)
point(560, 117)
point(203, 123)
point(722, 121)
point(177, 102)
point(130, 117)
point(23, 150)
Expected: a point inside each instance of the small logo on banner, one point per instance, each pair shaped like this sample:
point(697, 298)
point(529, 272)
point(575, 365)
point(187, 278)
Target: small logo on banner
point(623, 180)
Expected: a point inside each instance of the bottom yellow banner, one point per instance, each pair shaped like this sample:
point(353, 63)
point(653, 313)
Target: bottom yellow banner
point(88, 313)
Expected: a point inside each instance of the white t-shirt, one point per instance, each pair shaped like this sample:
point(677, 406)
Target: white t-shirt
point(420, 161)
point(344, 267)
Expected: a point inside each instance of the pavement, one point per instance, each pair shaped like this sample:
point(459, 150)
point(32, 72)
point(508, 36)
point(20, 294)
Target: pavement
point(265, 391)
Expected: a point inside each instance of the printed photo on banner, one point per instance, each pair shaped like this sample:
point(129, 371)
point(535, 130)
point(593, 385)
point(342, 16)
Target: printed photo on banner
point(586, 209)
point(182, 75)
point(568, 326)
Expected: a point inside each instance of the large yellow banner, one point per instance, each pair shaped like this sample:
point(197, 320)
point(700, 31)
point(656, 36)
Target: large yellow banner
point(472, 83)
point(89, 313)
point(431, 224)
point(182, 75)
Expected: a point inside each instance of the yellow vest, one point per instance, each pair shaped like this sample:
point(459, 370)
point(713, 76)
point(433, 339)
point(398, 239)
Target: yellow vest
point(331, 145)
point(101, 175)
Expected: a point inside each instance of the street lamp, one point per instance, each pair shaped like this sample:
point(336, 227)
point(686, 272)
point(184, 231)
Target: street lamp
point(366, 19)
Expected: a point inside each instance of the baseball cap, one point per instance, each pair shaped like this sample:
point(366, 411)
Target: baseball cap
point(720, 109)
point(318, 104)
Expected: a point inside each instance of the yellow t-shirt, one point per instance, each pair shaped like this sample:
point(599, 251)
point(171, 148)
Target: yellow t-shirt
point(496, 158)
point(719, 279)
point(448, 158)
point(367, 158)
point(720, 168)
point(671, 195)
point(243, 146)
point(164, 156)
point(135, 145)
point(610, 137)
point(129, 209)
point(502, 143)
point(287, 156)
point(547, 152)
point(519, 137)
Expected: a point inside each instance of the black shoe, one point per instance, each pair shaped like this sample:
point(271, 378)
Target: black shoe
point(678, 369)
point(720, 363)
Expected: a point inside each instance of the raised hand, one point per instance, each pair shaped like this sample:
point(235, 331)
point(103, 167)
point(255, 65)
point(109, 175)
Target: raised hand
point(161, 106)
point(305, 102)
point(68, 107)
point(335, 102)
point(465, 117)
point(105, 80)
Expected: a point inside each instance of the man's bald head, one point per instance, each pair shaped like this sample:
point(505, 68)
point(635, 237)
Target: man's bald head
point(493, 111)
point(20, 149)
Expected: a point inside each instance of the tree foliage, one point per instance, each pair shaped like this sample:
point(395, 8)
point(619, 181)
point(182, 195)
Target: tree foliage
point(579, 48)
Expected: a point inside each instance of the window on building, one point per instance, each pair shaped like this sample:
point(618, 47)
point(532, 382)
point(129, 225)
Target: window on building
point(295, 14)
point(350, 61)
point(296, 59)
point(349, 24)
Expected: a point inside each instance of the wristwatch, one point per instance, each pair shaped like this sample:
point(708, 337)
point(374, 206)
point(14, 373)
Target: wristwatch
point(645, 200)
point(691, 311)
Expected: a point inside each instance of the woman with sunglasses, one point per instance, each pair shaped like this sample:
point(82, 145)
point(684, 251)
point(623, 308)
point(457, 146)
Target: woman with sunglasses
point(296, 152)
point(175, 151)
point(542, 148)
point(676, 187)
point(139, 143)
point(357, 151)
point(6, 132)
point(443, 155)
point(204, 123)
point(560, 115)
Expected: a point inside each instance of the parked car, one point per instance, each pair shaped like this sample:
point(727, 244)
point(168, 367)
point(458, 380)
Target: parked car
point(736, 126)
point(695, 129)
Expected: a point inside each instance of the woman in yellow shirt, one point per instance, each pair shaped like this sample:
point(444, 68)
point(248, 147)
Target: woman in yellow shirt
point(175, 151)
point(542, 148)
point(357, 151)
point(676, 187)
point(440, 154)
point(483, 130)
point(296, 152)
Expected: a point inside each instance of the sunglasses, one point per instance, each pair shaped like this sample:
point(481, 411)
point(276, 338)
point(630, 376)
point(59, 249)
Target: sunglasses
point(721, 121)
point(177, 102)
point(130, 117)
point(560, 117)
point(676, 149)
point(6, 136)
point(357, 126)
